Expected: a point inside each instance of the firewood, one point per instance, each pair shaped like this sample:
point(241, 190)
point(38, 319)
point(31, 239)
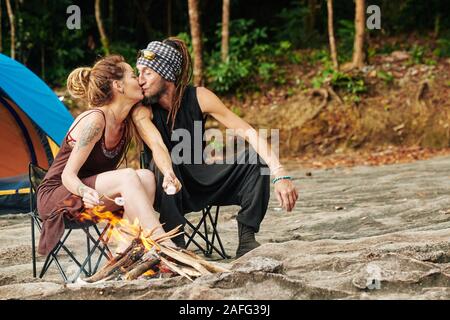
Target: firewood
point(208, 265)
point(133, 254)
point(175, 268)
point(184, 258)
point(168, 234)
point(189, 271)
point(141, 268)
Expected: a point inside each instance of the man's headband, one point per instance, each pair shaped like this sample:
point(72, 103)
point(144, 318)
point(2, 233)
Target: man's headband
point(163, 59)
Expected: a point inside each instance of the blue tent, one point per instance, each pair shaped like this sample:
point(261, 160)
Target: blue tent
point(33, 123)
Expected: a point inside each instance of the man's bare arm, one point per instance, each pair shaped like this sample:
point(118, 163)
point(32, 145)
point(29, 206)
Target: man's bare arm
point(142, 119)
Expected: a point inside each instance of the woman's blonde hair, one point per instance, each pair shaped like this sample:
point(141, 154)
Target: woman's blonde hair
point(94, 86)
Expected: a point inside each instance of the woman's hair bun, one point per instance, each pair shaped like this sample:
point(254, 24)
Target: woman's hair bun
point(78, 82)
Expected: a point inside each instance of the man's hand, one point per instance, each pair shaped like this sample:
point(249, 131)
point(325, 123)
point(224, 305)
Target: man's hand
point(286, 194)
point(171, 179)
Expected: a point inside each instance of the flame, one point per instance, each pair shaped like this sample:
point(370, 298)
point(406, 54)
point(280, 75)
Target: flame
point(149, 273)
point(122, 231)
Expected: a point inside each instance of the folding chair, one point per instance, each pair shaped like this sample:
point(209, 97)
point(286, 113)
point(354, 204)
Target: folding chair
point(96, 242)
point(207, 220)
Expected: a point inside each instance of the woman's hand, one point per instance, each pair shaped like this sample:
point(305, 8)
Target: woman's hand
point(171, 179)
point(91, 198)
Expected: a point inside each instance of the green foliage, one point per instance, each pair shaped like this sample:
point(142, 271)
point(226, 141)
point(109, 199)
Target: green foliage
point(388, 48)
point(443, 48)
point(387, 77)
point(417, 54)
point(292, 20)
point(250, 59)
point(237, 111)
point(321, 55)
point(345, 34)
point(126, 49)
point(348, 83)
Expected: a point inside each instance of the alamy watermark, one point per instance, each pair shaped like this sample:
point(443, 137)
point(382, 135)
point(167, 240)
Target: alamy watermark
point(74, 20)
point(374, 20)
point(214, 147)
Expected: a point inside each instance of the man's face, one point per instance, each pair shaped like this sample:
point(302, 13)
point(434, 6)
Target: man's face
point(152, 84)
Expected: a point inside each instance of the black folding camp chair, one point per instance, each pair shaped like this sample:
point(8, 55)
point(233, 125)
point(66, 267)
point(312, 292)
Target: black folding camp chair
point(209, 223)
point(96, 241)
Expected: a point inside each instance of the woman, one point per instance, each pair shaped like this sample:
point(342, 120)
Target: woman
point(83, 174)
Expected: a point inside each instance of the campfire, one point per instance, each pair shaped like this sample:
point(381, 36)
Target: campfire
point(146, 255)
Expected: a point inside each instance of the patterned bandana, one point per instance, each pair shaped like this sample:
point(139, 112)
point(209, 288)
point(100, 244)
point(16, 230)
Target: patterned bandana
point(161, 58)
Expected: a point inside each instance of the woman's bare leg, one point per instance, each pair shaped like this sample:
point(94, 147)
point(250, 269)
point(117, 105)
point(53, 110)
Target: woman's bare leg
point(149, 182)
point(138, 204)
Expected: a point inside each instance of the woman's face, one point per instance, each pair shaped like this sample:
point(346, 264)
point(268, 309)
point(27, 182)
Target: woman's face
point(131, 87)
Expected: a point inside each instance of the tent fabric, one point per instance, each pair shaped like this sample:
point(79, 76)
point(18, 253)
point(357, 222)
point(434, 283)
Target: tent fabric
point(33, 123)
point(16, 149)
point(35, 98)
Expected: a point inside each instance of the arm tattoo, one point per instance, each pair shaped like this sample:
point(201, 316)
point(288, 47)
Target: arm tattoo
point(90, 131)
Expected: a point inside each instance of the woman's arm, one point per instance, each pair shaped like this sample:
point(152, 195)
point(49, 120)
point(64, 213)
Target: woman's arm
point(142, 119)
point(211, 104)
point(91, 131)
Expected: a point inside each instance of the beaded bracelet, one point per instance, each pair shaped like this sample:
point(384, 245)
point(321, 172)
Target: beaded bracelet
point(281, 178)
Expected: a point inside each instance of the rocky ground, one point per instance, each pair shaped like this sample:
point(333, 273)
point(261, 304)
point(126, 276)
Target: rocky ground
point(356, 233)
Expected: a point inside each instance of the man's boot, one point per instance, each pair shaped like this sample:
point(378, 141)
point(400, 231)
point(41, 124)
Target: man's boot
point(247, 241)
point(179, 241)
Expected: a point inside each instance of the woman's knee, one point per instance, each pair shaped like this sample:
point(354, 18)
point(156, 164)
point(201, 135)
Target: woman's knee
point(129, 176)
point(147, 177)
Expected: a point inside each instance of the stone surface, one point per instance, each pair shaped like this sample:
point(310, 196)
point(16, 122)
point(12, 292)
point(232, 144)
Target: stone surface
point(389, 240)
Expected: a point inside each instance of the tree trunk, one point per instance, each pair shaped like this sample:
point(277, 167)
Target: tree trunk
point(331, 34)
point(169, 18)
point(196, 41)
point(111, 19)
point(360, 24)
point(13, 28)
point(311, 17)
point(225, 29)
point(101, 29)
point(142, 15)
point(42, 61)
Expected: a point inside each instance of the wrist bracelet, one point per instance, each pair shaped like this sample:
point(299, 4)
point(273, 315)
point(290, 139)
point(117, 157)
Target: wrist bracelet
point(281, 178)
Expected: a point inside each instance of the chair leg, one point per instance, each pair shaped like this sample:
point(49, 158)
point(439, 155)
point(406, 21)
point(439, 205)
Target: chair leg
point(191, 239)
point(216, 233)
point(90, 253)
point(33, 246)
point(102, 246)
point(195, 230)
point(53, 256)
point(87, 252)
point(108, 255)
point(48, 261)
point(205, 227)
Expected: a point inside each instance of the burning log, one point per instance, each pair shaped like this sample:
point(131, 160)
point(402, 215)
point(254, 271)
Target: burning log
point(131, 255)
point(147, 254)
point(141, 268)
point(144, 254)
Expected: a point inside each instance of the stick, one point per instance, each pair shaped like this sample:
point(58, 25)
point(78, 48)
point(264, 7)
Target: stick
point(186, 259)
point(174, 268)
point(141, 268)
point(133, 255)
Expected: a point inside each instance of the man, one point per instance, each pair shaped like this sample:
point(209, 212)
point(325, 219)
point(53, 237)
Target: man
point(172, 104)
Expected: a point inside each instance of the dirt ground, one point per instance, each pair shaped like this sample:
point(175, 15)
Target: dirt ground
point(356, 233)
